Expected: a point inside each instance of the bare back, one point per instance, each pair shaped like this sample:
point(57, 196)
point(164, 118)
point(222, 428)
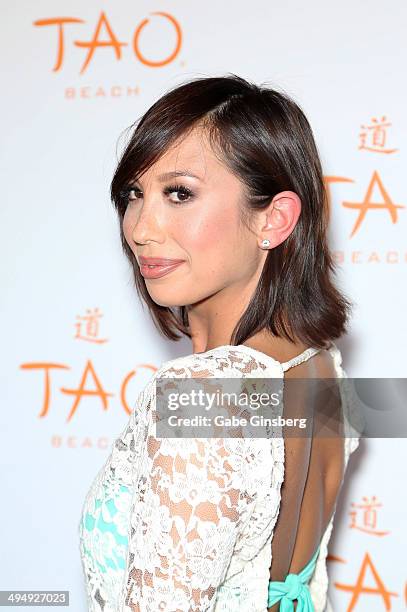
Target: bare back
point(313, 475)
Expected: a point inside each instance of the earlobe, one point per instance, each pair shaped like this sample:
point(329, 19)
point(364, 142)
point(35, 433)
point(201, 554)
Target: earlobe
point(288, 207)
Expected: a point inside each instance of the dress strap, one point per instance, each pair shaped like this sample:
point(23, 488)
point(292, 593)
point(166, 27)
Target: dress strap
point(295, 586)
point(309, 352)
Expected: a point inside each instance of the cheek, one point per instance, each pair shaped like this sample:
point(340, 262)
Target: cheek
point(211, 233)
point(210, 243)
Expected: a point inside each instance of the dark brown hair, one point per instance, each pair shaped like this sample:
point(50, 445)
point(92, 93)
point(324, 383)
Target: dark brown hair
point(264, 138)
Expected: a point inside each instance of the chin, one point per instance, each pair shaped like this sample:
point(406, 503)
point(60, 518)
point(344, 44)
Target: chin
point(169, 302)
point(175, 297)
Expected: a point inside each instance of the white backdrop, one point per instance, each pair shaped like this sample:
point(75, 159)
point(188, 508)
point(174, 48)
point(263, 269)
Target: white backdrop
point(77, 345)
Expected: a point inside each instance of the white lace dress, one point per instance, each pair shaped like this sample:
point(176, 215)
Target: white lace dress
point(186, 525)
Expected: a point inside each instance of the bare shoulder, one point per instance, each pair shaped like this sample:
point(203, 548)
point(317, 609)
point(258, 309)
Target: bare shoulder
point(322, 365)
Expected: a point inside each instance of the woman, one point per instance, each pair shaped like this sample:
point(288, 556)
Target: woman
point(223, 217)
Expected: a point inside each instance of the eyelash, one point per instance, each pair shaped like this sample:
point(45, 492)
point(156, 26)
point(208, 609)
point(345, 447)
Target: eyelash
point(124, 194)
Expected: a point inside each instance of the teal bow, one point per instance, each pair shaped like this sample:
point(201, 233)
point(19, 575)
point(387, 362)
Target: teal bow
point(294, 587)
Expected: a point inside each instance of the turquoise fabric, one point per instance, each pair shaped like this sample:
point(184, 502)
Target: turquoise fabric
point(295, 586)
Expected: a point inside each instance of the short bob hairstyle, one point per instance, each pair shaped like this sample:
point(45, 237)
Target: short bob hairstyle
point(264, 138)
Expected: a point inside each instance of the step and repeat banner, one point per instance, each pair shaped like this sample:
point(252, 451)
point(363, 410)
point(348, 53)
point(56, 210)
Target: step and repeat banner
point(77, 343)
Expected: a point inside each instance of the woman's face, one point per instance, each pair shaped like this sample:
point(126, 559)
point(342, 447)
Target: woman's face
point(201, 226)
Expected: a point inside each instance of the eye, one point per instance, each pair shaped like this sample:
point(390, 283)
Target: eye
point(129, 194)
point(185, 193)
point(132, 193)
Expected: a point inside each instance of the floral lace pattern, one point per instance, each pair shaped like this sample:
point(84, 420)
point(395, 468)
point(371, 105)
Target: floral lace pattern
point(186, 525)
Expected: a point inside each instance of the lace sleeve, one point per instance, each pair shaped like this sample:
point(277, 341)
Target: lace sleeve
point(186, 517)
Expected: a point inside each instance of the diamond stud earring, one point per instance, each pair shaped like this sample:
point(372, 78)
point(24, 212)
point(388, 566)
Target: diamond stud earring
point(265, 243)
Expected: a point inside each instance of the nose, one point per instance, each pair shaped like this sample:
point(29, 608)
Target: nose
point(147, 227)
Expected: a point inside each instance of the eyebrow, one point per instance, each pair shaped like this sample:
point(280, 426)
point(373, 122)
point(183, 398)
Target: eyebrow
point(168, 175)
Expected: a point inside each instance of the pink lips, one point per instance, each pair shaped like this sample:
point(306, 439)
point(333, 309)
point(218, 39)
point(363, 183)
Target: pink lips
point(162, 266)
point(158, 261)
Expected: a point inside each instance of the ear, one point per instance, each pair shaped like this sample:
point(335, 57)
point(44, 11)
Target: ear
point(276, 222)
